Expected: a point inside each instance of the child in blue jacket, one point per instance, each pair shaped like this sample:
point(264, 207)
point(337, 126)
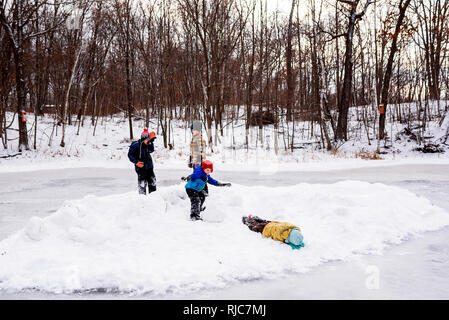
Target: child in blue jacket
point(195, 187)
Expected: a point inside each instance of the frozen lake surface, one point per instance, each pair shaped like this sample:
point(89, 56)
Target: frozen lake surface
point(416, 269)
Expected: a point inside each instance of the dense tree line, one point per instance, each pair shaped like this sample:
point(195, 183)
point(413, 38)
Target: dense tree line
point(191, 59)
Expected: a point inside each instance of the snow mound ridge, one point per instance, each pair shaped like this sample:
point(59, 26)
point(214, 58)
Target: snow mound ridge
point(130, 242)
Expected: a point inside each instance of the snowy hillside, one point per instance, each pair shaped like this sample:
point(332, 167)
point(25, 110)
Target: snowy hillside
point(109, 146)
point(132, 243)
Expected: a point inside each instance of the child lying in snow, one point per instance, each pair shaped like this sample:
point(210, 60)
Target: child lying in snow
point(196, 187)
point(281, 231)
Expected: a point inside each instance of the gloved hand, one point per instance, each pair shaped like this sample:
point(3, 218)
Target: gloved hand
point(139, 164)
point(188, 178)
point(224, 184)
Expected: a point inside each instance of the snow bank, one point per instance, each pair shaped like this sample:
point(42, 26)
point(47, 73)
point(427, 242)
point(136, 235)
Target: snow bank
point(136, 243)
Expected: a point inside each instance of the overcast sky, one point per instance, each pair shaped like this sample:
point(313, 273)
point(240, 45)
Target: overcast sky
point(285, 5)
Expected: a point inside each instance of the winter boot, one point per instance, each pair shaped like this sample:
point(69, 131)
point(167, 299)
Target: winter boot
point(195, 217)
point(250, 219)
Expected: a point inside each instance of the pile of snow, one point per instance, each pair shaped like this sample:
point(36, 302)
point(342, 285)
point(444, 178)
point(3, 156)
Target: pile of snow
point(136, 243)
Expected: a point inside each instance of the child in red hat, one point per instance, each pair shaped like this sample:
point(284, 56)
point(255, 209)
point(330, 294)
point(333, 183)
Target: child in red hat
point(195, 187)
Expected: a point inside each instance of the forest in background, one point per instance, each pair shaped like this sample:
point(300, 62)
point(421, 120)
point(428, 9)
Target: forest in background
point(186, 59)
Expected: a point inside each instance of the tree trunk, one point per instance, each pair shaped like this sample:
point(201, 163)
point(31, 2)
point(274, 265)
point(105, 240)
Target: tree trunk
point(128, 78)
point(389, 68)
point(290, 80)
point(67, 95)
point(346, 91)
point(20, 83)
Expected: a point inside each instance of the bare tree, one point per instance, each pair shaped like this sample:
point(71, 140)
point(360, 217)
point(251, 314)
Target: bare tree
point(346, 91)
point(403, 4)
point(288, 55)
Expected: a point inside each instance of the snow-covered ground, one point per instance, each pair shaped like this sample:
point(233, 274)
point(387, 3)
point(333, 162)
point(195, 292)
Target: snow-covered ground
point(108, 147)
point(121, 241)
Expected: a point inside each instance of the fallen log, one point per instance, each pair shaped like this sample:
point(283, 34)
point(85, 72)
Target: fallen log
point(10, 155)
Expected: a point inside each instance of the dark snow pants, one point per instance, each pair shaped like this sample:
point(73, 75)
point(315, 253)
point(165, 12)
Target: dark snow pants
point(146, 177)
point(197, 199)
point(255, 223)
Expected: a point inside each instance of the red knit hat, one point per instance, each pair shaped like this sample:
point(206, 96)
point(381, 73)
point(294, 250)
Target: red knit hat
point(206, 164)
point(145, 134)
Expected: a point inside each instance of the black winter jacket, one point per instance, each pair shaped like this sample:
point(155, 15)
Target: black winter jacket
point(139, 151)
